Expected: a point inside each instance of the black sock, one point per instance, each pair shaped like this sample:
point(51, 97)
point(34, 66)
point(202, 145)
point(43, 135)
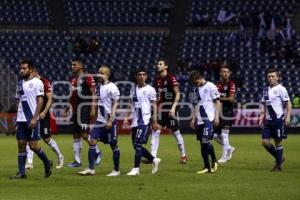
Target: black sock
point(205, 155)
point(116, 159)
point(138, 156)
point(212, 153)
point(41, 154)
point(271, 149)
point(147, 154)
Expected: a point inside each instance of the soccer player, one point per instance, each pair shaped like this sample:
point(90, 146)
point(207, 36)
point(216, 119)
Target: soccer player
point(206, 113)
point(83, 92)
point(226, 88)
point(30, 92)
point(272, 120)
point(169, 96)
point(105, 129)
point(45, 125)
point(143, 97)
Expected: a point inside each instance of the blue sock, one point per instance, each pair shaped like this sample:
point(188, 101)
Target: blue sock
point(21, 162)
point(212, 152)
point(279, 152)
point(91, 156)
point(271, 149)
point(147, 154)
point(138, 156)
point(205, 155)
point(41, 154)
point(116, 158)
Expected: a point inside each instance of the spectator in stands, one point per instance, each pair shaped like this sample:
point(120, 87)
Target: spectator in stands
point(296, 101)
point(182, 74)
point(92, 46)
point(79, 45)
point(200, 20)
point(225, 16)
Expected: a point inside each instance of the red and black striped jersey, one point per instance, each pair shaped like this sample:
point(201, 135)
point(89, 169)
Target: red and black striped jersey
point(165, 89)
point(226, 89)
point(81, 90)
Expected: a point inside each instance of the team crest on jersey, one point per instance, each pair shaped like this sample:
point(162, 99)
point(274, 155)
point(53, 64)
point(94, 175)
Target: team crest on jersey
point(205, 91)
point(144, 93)
point(30, 85)
point(275, 92)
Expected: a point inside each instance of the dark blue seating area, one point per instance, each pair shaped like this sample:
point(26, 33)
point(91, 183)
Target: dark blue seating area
point(245, 8)
point(52, 51)
point(29, 12)
point(117, 12)
point(203, 47)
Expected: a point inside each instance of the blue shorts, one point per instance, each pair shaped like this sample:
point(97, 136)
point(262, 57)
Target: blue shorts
point(274, 129)
point(140, 134)
point(107, 136)
point(205, 131)
point(26, 133)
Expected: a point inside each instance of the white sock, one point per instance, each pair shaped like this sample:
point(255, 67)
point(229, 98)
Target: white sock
point(53, 145)
point(77, 150)
point(225, 141)
point(180, 142)
point(155, 142)
point(97, 149)
point(30, 154)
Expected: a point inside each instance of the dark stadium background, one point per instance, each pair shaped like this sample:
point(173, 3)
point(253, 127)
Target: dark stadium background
point(249, 36)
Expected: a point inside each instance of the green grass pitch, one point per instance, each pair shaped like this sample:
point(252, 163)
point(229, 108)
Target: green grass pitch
point(246, 176)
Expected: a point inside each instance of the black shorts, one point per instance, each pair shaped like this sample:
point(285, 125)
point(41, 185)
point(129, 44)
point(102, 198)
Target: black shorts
point(166, 121)
point(81, 121)
point(107, 136)
point(225, 122)
point(140, 134)
point(45, 129)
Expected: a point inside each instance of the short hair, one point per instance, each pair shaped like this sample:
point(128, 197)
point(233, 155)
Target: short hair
point(105, 67)
point(164, 60)
point(141, 69)
point(225, 67)
point(29, 62)
point(195, 75)
point(273, 70)
point(79, 60)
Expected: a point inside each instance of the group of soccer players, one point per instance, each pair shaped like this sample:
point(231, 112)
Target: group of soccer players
point(150, 109)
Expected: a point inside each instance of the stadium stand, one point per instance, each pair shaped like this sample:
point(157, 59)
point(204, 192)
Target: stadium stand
point(117, 12)
point(30, 12)
point(242, 10)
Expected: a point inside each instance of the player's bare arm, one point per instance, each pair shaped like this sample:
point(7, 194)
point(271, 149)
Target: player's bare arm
point(128, 115)
point(193, 121)
point(48, 105)
point(39, 107)
point(287, 119)
point(113, 114)
point(172, 112)
point(217, 114)
point(262, 115)
point(94, 102)
point(154, 116)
